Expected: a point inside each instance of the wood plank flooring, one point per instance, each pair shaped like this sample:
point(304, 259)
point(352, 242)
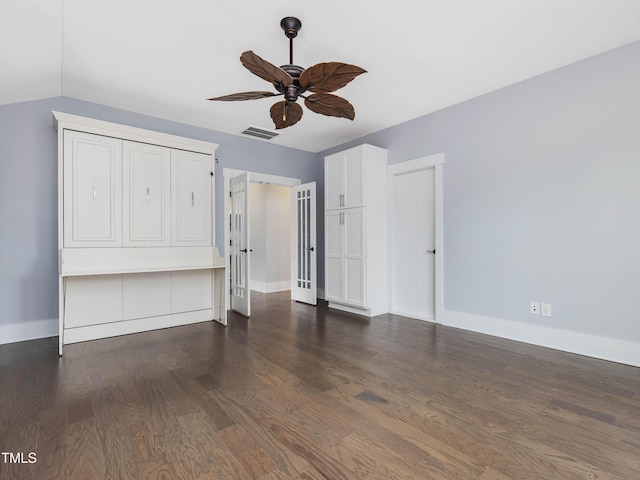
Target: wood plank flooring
point(308, 393)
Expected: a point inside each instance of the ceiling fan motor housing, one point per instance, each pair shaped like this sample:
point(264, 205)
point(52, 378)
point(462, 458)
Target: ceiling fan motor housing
point(292, 91)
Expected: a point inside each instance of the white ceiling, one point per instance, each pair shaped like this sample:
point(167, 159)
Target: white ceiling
point(165, 57)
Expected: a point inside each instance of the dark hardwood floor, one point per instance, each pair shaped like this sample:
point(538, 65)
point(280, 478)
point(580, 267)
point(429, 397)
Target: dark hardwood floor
point(306, 393)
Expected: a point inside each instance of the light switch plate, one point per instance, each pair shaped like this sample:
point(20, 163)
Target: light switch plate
point(545, 309)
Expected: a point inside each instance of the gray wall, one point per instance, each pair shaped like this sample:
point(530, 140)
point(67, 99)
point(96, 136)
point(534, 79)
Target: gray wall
point(541, 196)
point(28, 199)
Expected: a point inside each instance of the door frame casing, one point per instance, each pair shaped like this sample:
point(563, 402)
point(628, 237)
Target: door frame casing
point(435, 161)
point(227, 174)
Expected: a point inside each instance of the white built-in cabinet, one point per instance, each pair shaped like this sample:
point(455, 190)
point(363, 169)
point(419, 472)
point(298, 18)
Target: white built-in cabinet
point(92, 169)
point(356, 231)
point(146, 174)
point(135, 229)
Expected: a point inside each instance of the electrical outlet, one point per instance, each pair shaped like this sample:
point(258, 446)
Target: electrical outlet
point(545, 309)
point(535, 308)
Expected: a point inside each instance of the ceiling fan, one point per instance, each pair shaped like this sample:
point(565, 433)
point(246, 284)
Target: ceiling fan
point(292, 81)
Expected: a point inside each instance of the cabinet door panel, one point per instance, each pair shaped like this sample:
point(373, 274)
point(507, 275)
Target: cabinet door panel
point(333, 243)
point(191, 198)
point(191, 290)
point(354, 281)
point(92, 300)
point(354, 232)
point(146, 196)
point(146, 295)
point(353, 179)
point(333, 255)
point(333, 181)
point(354, 257)
point(333, 288)
point(92, 189)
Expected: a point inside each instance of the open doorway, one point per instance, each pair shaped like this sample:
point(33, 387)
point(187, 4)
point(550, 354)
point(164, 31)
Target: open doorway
point(270, 206)
point(279, 223)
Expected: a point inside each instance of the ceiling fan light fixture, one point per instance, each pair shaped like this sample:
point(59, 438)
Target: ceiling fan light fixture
point(291, 81)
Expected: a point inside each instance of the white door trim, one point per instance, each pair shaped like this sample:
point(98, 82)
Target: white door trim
point(435, 161)
point(227, 174)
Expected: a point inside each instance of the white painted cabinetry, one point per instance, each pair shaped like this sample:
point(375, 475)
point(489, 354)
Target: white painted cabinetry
point(146, 195)
point(355, 230)
point(93, 198)
point(135, 230)
point(191, 191)
point(344, 179)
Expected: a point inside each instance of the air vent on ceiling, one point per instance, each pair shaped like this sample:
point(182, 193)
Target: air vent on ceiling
point(260, 132)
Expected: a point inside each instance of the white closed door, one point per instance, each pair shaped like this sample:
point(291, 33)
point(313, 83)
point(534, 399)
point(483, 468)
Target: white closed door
point(303, 244)
point(240, 247)
point(146, 195)
point(413, 244)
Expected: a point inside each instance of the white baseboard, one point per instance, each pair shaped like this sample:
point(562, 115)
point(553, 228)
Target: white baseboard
point(615, 350)
point(270, 287)
point(347, 308)
point(413, 315)
point(105, 330)
point(20, 332)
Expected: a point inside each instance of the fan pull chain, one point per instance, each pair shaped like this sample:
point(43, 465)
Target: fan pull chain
point(284, 112)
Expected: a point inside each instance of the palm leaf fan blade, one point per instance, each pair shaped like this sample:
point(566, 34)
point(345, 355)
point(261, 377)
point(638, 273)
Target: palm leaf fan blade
point(244, 96)
point(284, 114)
point(265, 70)
point(330, 105)
point(329, 76)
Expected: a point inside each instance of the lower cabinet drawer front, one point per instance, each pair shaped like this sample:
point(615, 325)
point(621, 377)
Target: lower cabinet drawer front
point(93, 300)
point(191, 290)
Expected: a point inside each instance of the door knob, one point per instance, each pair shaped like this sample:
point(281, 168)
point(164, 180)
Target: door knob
point(431, 251)
point(311, 248)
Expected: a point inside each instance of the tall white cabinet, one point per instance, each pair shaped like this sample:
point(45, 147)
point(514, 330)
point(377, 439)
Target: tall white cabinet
point(135, 231)
point(356, 230)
